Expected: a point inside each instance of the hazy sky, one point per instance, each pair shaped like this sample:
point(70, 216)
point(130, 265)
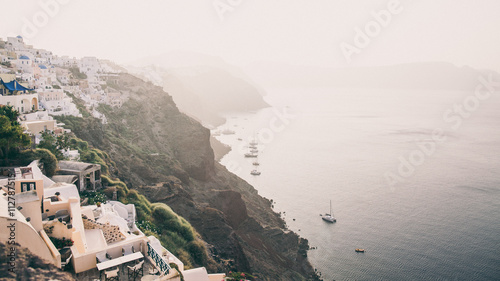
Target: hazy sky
point(242, 31)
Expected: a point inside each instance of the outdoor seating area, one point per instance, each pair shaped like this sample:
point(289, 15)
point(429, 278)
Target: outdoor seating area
point(123, 272)
point(102, 257)
point(112, 274)
point(95, 242)
point(110, 266)
point(134, 271)
point(127, 250)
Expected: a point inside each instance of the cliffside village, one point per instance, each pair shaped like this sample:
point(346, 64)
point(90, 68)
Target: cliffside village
point(48, 215)
point(36, 83)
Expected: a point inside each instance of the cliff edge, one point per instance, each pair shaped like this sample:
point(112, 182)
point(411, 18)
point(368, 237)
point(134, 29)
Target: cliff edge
point(166, 156)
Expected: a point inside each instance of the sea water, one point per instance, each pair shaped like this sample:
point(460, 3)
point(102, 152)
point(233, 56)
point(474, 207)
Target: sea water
point(414, 184)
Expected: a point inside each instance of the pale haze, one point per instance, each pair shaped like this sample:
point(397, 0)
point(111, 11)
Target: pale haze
point(295, 32)
point(371, 126)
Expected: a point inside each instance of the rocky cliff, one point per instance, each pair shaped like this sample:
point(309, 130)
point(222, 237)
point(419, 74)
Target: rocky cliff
point(166, 156)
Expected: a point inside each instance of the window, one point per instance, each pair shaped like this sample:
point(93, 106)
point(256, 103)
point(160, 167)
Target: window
point(28, 186)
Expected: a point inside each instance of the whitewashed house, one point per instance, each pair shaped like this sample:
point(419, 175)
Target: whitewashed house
point(24, 64)
point(63, 75)
point(15, 44)
point(56, 102)
point(90, 66)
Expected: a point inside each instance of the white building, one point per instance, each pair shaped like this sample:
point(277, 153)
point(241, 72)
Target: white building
point(56, 102)
point(63, 75)
point(24, 64)
point(64, 61)
point(90, 66)
point(23, 103)
point(101, 236)
point(15, 44)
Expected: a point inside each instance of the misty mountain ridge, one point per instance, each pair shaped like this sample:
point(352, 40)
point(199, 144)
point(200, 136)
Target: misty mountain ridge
point(424, 76)
point(204, 87)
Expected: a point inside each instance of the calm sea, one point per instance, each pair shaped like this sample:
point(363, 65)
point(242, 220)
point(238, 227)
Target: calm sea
point(438, 218)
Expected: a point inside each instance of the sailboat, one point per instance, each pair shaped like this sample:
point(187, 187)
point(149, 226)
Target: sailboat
point(252, 148)
point(251, 154)
point(253, 142)
point(329, 217)
point(227, 131)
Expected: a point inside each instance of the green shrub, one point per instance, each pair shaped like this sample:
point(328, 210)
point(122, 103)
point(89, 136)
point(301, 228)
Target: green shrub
point(47, 159)
point(185, 258)
point(163, 214)
point(198, 252)
point(105, 180)
point(133, 195)
point(109, 191)
point(94, 197)
point(147, 226)
point(168, 220)
point(61, 243)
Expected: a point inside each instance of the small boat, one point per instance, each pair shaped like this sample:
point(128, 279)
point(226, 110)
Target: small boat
point(228, 132)
point(254, 150)
point(256, 163)
point(329, 217)
point(252, 155)
point(359, 250)
point(255, 172)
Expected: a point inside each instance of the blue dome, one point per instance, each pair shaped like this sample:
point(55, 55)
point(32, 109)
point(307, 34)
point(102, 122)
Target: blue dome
point(19, 36)
point(24, 58)
point(42, 66)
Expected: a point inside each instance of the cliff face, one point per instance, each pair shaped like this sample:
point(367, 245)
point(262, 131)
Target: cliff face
point(166, 156)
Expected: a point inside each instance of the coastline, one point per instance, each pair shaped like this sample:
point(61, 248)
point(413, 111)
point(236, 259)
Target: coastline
point(220, 149)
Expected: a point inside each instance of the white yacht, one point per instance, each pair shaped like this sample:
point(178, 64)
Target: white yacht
point(329, 217)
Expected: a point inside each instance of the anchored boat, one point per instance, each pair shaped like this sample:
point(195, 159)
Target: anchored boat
point(255, 172)
point(329, 217)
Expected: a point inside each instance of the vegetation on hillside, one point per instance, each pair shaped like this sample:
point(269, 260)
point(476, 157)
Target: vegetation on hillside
point(54, 143)
point(47, 160)
point(12, 137)
point(79, 104)
point(174, 232)
point(77, 74)
point(166, 155)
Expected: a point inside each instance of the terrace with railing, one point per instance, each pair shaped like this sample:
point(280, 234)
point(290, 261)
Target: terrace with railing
point(158, 260)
